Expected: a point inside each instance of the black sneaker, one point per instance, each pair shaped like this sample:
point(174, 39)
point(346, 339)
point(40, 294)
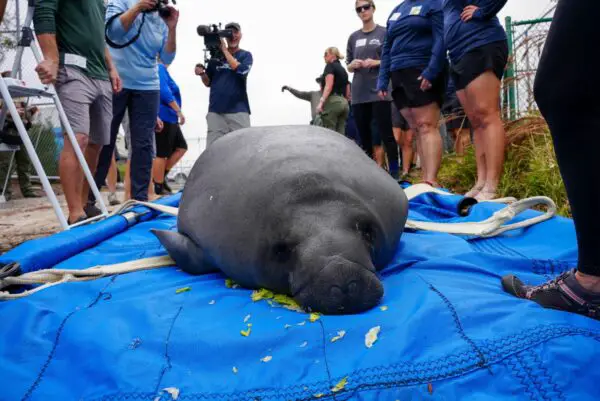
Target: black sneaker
point(91, 210)
point(167, 187)
point(562, 293)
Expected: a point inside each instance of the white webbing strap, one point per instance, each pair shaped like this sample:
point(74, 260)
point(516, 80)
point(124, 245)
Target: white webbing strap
point(490, 227)
point(52, 277)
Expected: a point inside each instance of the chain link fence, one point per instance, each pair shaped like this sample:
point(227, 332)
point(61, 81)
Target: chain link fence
point(46, 132)
point(526, 41)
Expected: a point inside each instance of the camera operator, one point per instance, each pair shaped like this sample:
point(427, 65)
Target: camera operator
point(151, 34)
point(228, 109)
point(71, 37)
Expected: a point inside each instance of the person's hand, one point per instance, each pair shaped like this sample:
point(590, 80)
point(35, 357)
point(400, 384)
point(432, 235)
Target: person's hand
point(356, 64)
point(200, 71)
point(284, 88)
point(382, 94)
point(320, 106)
point(467, 13)
point(181, 118)
point(369, 63)
point(425, 84)
point(145, 5)
point(47, 71)
point(173, 18)
point(224, 45)
point(159, 125)
point(115, 80)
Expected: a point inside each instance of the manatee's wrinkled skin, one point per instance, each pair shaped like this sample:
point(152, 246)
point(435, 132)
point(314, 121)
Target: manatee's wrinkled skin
point(299, 210)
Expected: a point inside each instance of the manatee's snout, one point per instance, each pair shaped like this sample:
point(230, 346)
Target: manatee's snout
point(342, 287)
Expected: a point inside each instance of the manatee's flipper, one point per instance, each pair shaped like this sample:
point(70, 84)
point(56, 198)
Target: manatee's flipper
point(188, 256)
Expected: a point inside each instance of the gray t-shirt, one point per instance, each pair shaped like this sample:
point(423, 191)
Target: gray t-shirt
point(364, 45)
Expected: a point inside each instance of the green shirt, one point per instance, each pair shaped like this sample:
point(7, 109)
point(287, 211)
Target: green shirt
point(79, 29)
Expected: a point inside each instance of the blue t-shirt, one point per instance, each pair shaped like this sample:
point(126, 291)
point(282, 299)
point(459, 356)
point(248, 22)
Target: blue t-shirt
point(169, 91)
point(482, 29)
point(415, 38)
point(136, 63)
point(228, 87)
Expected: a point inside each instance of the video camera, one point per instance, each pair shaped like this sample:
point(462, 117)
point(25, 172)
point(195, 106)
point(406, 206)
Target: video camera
point(212, 40)
point(161, 7)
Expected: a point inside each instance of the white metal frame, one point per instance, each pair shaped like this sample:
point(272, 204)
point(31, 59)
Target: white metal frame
point(10, 87)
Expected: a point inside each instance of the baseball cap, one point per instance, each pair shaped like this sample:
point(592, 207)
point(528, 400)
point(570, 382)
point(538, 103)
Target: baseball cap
point(233, 25)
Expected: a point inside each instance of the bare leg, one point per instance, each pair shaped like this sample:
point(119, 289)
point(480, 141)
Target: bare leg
point(483, 97)
point(479, 149)
point(92, 153)
point(424, 120)
point(111, 178)
point(175, 157)
point(379, 154)
point(71, 176)
point(158, 169)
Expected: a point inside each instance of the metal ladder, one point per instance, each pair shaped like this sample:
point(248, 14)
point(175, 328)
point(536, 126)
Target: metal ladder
point(12, 87)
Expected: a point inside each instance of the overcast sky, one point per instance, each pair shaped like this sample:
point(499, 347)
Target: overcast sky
point(287, 39)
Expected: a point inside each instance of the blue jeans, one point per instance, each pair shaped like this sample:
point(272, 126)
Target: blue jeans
point(142, 107)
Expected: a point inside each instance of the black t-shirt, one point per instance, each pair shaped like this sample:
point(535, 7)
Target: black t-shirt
point(340, 77)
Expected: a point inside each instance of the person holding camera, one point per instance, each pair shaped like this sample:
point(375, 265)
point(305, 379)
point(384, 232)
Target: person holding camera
point(148, 28)
point(226, 76)
point(71, 37)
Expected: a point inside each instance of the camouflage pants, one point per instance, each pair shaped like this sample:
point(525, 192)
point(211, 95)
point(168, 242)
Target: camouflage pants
point(23, 165)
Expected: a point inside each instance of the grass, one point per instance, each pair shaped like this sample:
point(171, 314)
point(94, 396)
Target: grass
point(530, 167)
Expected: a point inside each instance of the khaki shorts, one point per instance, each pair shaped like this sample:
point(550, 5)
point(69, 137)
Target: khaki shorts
point(221, 124)
point(87, 103)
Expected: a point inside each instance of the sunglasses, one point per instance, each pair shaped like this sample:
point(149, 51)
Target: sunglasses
point(360, 9)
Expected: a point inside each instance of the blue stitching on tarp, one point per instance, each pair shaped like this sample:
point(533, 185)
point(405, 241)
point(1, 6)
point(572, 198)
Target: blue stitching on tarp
point(516, 367)
point(168, 365)
point(529, 368)
point(399, 374)
point(61, 327)
point(548, 388)
point(461, 332)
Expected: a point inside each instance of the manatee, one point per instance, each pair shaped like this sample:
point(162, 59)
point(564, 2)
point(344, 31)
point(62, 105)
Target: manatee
point(298, 210)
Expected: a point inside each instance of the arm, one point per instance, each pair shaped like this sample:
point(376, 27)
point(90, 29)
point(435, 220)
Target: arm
point(384, 64)
point(299, 94)
point(438, 58)
point(44, 21)
point(349, 54)
point(348, 91)
point(166, 95)
point(328, 88)
point(121, 25)
point(2, 9)
point(169, 47)
point(488, 9)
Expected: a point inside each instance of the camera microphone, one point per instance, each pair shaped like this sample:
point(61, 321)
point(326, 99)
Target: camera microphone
point(203, 30)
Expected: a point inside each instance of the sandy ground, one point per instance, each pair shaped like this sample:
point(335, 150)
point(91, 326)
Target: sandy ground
point(24, 219)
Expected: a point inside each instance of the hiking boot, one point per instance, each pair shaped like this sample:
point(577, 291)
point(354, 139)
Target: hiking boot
point(91, 210)
point(562, 293)
point(31, 194)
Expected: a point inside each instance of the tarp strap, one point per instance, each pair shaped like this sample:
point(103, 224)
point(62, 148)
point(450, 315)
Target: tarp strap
point(51, 277)
point(488, 228)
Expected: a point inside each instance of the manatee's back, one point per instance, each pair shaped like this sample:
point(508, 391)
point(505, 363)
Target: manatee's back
point(227, 202)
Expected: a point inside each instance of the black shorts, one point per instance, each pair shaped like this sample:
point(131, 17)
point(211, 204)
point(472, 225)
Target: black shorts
point(454, 114)
point(406, 89)
point(169, 139)
point(398, 120)
point(491, 57)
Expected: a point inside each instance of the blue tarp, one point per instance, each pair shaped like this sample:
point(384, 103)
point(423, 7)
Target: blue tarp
point(447, 331)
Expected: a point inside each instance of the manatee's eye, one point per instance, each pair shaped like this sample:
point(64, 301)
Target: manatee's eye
point(367, 231)
point(282, 252)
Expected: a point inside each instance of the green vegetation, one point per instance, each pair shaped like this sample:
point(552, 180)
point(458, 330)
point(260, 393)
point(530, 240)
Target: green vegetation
point(530, 168)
